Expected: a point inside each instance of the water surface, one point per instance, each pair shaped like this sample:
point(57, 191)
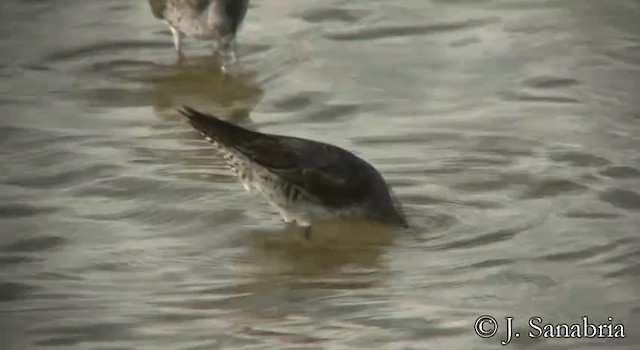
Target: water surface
point(509, 129)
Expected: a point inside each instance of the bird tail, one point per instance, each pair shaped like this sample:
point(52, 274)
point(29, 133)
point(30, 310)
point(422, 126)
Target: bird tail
point(216, 129)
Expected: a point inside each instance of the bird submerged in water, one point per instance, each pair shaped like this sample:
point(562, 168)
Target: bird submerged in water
point(217, 20)
point(305, 180)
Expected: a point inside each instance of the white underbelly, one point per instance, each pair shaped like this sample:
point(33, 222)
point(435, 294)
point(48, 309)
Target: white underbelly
point(202, 27)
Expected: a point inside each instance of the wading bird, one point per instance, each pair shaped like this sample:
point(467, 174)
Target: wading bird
point(217, 20)
point(304, 180)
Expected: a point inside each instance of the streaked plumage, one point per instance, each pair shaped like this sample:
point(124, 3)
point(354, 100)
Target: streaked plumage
point(305, 180)
point(217, 20)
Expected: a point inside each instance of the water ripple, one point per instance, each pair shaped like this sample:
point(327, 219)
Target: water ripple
point(333, 14)
point(550, 82)
point(528, 97)
point(102, 47)
point(621, 172)
point(587, 252)
point(61, 178)
point(21, 210)
point(482, 239)
point(579, 159)
point(552, 187)
point(390, 31)
point(13, 291)
point(621, 198)
point(36, 244)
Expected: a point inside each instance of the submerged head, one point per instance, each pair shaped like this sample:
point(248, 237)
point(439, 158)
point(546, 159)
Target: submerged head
point(388, 210)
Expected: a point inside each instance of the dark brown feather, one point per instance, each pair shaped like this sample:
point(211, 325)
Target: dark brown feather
point(262, 149)
point(329, 175)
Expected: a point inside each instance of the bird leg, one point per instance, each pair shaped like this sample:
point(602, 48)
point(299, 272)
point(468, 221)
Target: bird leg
point(177, 40)
point(227, 49)
point(307, 233)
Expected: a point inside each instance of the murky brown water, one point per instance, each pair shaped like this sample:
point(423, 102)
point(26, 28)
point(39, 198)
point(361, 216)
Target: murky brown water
point(509, 129)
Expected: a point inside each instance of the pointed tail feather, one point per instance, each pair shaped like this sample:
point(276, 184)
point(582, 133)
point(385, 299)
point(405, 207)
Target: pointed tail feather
point(214, 128)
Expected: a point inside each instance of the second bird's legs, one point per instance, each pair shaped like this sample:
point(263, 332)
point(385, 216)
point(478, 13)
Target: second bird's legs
point(177, 39)
point(177, 42)
point(226, 49)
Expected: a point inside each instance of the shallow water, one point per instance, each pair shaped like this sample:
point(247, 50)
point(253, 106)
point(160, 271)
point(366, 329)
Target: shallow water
point(510, 131)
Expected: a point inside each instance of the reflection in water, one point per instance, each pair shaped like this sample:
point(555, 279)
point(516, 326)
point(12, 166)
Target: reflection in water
point(198, 82)
point(281, 268)
point(332, 245)
point(201, 83)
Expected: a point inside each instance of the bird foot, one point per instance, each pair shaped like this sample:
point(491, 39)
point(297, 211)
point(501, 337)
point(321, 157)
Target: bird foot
point(307, 233)
point(180, 58)
point(226, 52)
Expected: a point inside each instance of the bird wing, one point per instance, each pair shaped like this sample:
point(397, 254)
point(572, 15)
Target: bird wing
point(268, 152)
point(329, 180)
point(324, 173)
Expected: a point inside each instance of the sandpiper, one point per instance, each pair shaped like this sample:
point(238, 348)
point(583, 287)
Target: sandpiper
point(217, 20)
point(304, 180)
